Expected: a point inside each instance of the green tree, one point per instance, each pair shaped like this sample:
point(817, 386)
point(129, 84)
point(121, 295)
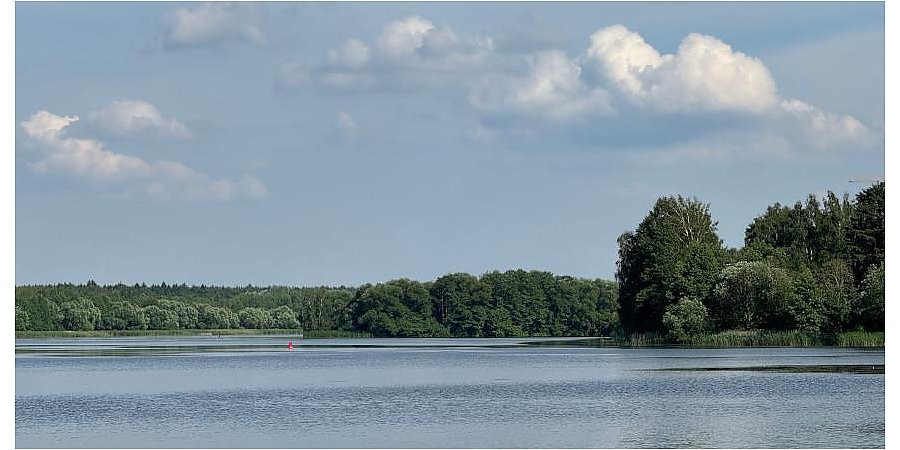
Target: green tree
point(123, 316)
point(686, 319)
point(498, 323)
point(810, 233)
point(457, 299)
point(42, 313)
point(160, 319)
point(869, 308)
point(838, 293)
point(865, 238)
point(525, 296)
point(658, 262)
point(284, 317)
point(187, 314)
point(79, 315)
point(752, 294)
point(398, 308)
point(214, 317)
point(807, 308)
point(255, 318)
point(21, 319)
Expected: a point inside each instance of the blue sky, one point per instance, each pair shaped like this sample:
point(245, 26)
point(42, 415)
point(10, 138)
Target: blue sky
point(343, 143)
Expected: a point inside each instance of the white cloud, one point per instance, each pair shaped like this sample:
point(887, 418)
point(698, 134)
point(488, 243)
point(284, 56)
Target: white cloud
point(418, 45)
point(213, 22)
point(552, 89)
point(408, 52)
point(826, 129)
point(705, 74)
point(352, 55)
point(91, 160)
point(137, 117)
point(47, 126)
point(405, 36)
point(620, 80)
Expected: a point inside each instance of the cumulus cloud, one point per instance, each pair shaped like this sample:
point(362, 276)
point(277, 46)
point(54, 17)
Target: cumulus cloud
point(618, 82)
point(826, 129)
point(705, 74)
point(405, 36)
point(90, 160)
point(352, 55)
point(553, 88)
point(213, 23)
point(412, 51)
point(137, 117)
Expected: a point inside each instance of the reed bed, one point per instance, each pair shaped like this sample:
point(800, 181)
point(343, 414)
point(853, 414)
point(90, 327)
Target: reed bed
point(756, 338)
point(861, 339)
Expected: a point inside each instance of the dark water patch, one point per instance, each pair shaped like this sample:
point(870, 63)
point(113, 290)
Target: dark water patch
point(797, 368)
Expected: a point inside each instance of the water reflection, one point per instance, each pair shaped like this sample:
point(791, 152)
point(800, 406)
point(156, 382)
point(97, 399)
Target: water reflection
point(439, 393)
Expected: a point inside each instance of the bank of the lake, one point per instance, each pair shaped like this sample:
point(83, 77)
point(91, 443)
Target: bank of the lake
point(758, 338)
point(732, 338)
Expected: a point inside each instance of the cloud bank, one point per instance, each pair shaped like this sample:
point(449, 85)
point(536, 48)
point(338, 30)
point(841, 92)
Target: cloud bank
point(618, 79)
point(90, 160)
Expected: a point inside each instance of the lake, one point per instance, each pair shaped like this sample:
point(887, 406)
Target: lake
point(485, 393)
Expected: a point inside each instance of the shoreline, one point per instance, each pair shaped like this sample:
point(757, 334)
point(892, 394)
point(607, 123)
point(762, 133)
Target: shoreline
point(727, 339)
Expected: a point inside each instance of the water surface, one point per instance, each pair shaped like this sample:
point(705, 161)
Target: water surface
point(486, 393)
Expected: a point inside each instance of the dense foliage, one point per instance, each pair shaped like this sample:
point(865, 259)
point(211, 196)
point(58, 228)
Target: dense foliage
point(513, 303)
point(815, 267)
point(674, 253)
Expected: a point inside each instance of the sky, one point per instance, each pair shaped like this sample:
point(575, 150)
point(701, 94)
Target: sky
point(343, 143)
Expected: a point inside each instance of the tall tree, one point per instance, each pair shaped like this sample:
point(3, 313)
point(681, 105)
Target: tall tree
point(657, 261)
point(865, 239)
point(869, 307)
point(80, 314)
point(459, 300)
point(752, 294)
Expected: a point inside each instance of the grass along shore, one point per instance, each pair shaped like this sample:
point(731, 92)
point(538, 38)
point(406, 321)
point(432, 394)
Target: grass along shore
point(757, 338)
point(734, 338)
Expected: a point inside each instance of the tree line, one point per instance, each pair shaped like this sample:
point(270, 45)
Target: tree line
point(816, 266)
point(497, 304)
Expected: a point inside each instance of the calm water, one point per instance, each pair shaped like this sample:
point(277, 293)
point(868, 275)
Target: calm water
point(253, 392)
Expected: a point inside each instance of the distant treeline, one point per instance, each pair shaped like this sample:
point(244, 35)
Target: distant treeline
point(497, 304)
point(814, 267)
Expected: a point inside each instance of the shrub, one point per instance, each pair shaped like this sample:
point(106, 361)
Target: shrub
point(686, 319)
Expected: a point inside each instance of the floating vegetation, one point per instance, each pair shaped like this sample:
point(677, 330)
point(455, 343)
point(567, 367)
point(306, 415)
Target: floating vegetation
point(822, 368)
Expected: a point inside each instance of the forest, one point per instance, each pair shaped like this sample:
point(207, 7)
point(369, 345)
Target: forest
point(815, 267)
point(497, 304)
